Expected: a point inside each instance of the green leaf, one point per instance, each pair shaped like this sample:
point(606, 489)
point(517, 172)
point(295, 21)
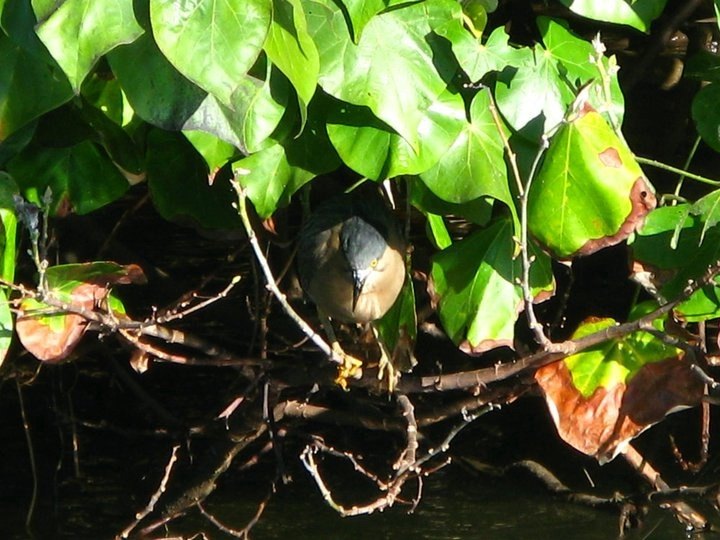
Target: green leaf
point(708, 208)
point(574, 55)
point(78, 32)
point(474, 166)
point(706, 115)
point(636, 13)
point(214, 151)
point(6, 326)
point(8, 221)
point(374, 150)
point(118, 144)
point(393, 69)
point(214, 44)
point(272, 175)
point(666, 270)
point(615, 361)
point(476, 285)
point(290, 47)
point(163, 97)
point(180, 187)
point(590, 192)
point(438, 231)
point(397, 329)
point(478, 211)
point(29, 86)
point(531, 95)
point(81, 177)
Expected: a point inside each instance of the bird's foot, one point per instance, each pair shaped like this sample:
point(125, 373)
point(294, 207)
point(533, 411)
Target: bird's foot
point(386, 370)
point(350, 368)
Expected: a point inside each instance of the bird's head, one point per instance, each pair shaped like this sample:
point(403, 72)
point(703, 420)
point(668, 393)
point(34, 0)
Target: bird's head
point(364, 247)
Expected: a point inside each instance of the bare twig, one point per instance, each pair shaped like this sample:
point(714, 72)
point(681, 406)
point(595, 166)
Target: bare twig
point(272, 284)
point(155, 497)
point(31, 455)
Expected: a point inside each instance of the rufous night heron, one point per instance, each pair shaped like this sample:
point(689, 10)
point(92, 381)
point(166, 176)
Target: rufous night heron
point(351, 262)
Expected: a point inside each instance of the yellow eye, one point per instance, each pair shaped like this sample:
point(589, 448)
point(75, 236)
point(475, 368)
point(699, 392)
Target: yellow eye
point(373, 263)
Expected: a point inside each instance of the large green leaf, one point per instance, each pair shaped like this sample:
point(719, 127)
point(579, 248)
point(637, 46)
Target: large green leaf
point(636, 13)
point(590, 192)
point(292, 50)
point(78, 32)
point(531, 95)
point(474, 166)
point(80, 177)
point(214, 44)
point(672, 248)
point(476, 283)
point(273, 174)
point(180, 187)
point(163, 97)
point(573, 55)
point(373, 149)
point(393, 69)
point(536, 88)
point(477, 59)
point(31, 82)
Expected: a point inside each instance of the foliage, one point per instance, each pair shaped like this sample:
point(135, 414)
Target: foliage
point(520, 139)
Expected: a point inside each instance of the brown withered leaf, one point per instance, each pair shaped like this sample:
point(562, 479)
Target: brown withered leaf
point(603, 424)
point(51, 337)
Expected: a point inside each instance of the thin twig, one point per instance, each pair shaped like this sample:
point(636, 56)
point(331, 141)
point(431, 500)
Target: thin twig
point(155, 497)
point(272, 284)
point(31, 455)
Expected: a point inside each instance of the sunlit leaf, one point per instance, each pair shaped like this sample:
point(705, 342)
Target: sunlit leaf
point(477, 211)
point(78, 32)
point(8, 232)
point(476, 287)
point(373, 149)
point(397, 69)
point(574, 55)
point(163, 97)
point(474, 166)
point(200, 39)
point(214, 151)
point(292, 50)
point(665, 260)
point(590, 192)
point(636, 13)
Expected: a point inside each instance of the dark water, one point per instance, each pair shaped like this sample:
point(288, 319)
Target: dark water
point(119, 473)
point(455, 506)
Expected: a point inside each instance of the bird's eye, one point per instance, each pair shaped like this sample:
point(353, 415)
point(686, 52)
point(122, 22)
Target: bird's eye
point(373, 263)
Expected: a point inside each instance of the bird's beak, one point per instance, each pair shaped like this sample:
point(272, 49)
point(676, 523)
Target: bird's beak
point(359, 277)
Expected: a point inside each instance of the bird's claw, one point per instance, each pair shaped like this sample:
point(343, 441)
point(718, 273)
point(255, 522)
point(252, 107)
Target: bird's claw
point(386, 370)
point(350, 368)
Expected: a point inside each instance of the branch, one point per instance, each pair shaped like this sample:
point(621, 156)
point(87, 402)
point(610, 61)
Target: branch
point(272, 284)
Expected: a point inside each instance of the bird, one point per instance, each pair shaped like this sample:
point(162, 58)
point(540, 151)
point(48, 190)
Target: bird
point(351, 264)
